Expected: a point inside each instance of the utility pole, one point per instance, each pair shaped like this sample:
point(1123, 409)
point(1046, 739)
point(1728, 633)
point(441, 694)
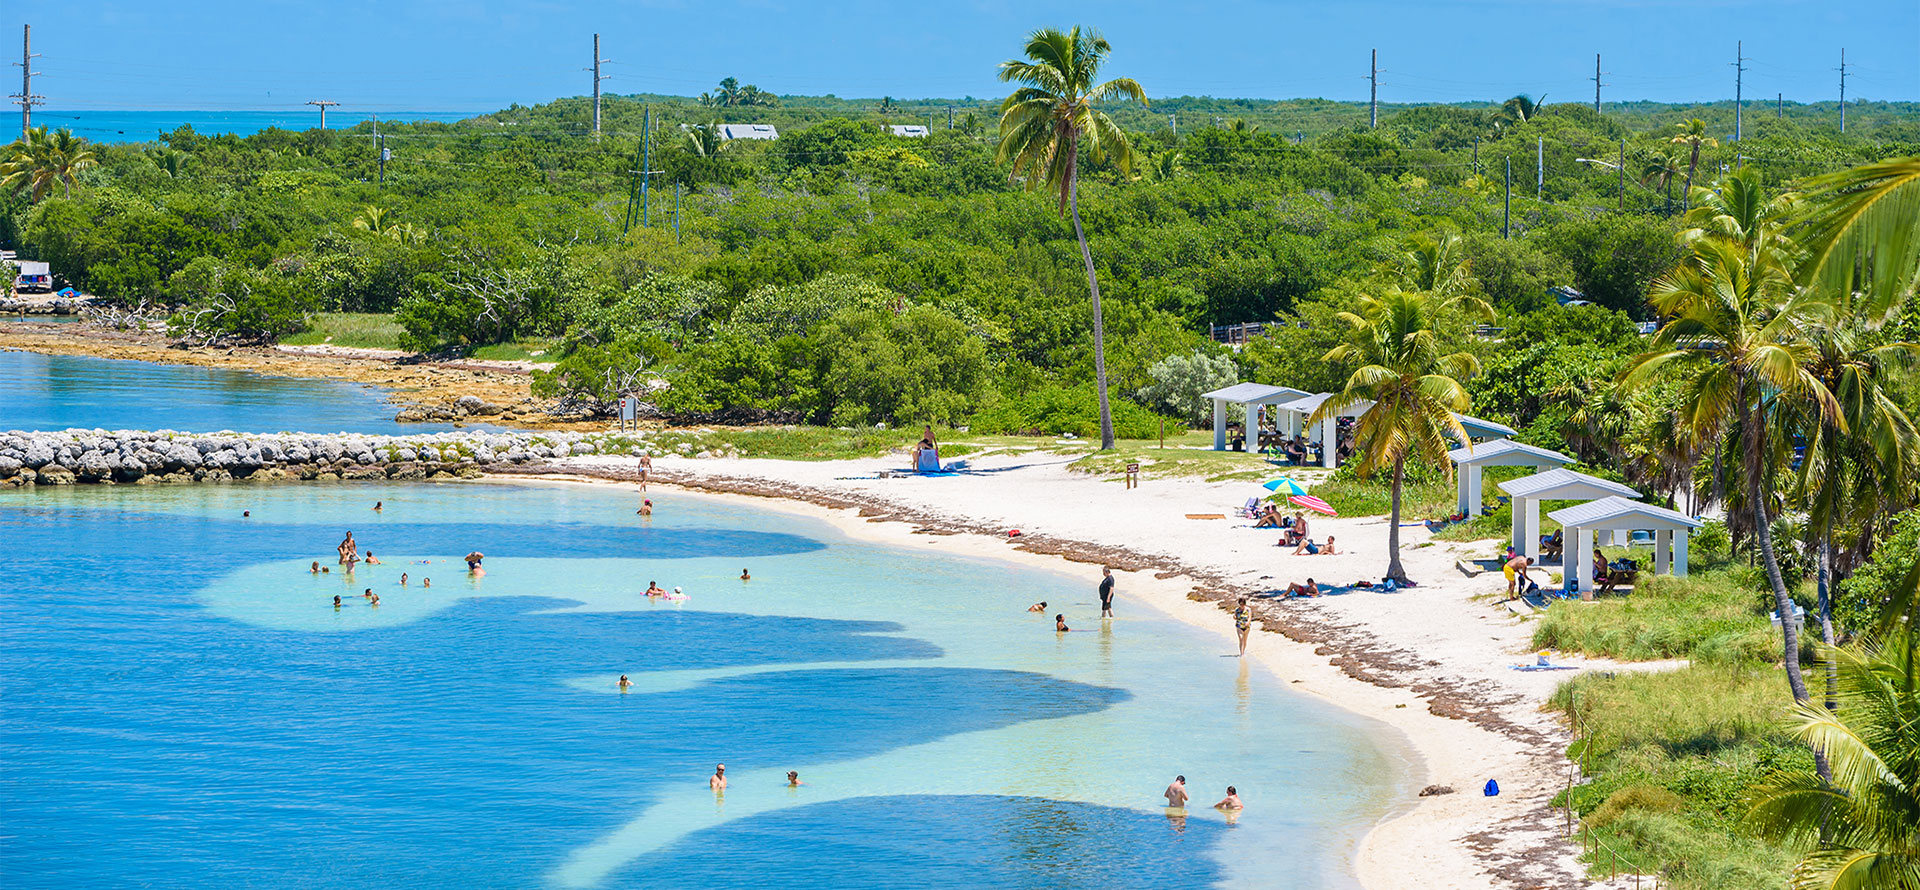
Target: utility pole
point(1506, 214)
point(646, 160)
point(323, 103)
point(1739, 70)
point(1539, 167)
point(1173, 120)
point(1596, 83)
point(1476, 154)
point(597, 77)
point(1373, 91)
point(1843, 89)
point(949, 117)
point(676, 211)
point(26, 98)
point(1780, 105)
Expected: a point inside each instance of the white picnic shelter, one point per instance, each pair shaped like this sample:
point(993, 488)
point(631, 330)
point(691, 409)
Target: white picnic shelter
point(1249, 396)
point(1557, 484)
point(1478, 429)
point(1326, 432)
point(1581, 521)
point(1470, 460)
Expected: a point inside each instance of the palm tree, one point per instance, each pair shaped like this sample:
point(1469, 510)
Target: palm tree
point(1740, 211)
point(706, 140)
point(1414, 385)
point(1863, 823)
point(729, 92)
point(1660, 167)
point(37, 161)
point(1860, 461)
point(1042, 126)
point(1437, 264)
point(372, 218)
point(1737, 335)
point(1520, 109)
point(1164, 166)
point(1240, 126)
point(1693, 133)
point(1865, 218)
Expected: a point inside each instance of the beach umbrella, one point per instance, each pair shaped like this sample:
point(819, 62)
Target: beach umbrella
point(1313, 503)
point(1287, 484)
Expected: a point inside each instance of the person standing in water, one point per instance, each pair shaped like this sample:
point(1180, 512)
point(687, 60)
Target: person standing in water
point(744, 576)
point(1243, 622)
point(377, 505)
point(1176, 793)
point(349, 552)
point(624, 683)
point(1060, 624)
point(1231, 801)
point(1106, 592)
point(718, 782)
point(646, 508)
point(793, 779)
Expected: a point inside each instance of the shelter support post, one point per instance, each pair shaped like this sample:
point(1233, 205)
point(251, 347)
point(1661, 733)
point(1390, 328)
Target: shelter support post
point(1526, 527)
point(1579, 565)
point(1330, 442)
point(1252, 429)
point(1680, 554)
point(1219, 425)
point(1662, 541)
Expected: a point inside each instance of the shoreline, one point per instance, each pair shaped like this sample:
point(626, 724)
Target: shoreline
point(431, 390)
point(1444, 735)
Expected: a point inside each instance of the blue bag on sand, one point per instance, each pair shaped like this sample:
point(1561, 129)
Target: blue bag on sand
point(1493, 788)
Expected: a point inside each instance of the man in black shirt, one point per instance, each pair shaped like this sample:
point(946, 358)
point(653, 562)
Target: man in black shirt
point(1106, 593)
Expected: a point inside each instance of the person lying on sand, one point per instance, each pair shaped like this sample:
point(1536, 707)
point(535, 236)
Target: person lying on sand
point(1040, 606)
point(1311, 588)
point(1231, 801)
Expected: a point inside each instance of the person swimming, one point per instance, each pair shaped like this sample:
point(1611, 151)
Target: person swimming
point(1231, 801)
point(371, 560)
point(654, 589)
point(646, 508)
point(316, 567)
point(403, 579)
point(624, 683)
point(245, 513)
point(368, 594)
point(793, 779)
point(1060, 624)
point(675, 595)
point(375, 601)
point(326, 570)
point(426, 582)
point(377, 505)
point(1040, 606)
point(336, 601)
point(744, 576)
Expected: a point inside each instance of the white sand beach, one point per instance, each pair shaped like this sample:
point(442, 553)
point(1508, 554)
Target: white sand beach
point(1430, 662)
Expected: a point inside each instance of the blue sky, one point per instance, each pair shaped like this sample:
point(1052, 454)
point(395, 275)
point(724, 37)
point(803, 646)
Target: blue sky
point(484, 54)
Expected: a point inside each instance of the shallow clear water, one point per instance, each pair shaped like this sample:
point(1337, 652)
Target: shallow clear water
point(145, 126)
point(184, 707)
point(57, 392)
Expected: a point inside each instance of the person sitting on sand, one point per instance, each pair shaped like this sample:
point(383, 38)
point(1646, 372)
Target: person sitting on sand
point(1040, 606)
point(646, 508)
point(624, 683)
point(1060, 624)
point(371, 560)
point(349, 551)
point(1296, 532)
point(744, 576)
point(718, 782)
point(1231, 801)
point(793, 779)
point(1307, 546)
point(1329, 549)
point(1270, 518)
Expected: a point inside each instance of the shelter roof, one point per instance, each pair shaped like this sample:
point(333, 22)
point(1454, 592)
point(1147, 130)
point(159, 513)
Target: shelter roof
point(1507, 453)
point(1562, 484)
point(1618, 512)
point(1254, 394)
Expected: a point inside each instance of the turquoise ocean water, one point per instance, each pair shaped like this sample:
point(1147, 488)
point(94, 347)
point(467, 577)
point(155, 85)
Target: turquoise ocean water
point(146, 126)
point(182, 706)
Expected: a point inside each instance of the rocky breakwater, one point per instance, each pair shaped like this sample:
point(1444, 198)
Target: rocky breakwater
point(102, 456)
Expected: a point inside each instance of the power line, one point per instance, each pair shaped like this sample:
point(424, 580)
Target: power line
point(597, 78)
point(1843, 89)
point(1373, 91)
point(1596, 83)
point(1740, 61)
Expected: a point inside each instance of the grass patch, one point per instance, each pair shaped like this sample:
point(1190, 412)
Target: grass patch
point(533, 350)
point(1355, 496)
point(1672, 757)
point(1708, 617)
point(1186, 455)
point(357, 330)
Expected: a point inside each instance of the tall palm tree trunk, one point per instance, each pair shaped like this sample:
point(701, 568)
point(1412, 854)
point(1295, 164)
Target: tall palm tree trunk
point(1394, 569)
point(1093, 286)
point(1686, 195)
point(1763, 540)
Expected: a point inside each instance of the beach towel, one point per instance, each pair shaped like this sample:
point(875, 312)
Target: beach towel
point(927, 460)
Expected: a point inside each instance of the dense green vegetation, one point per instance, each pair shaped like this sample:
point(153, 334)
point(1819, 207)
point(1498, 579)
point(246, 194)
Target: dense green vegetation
point(845, 277)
